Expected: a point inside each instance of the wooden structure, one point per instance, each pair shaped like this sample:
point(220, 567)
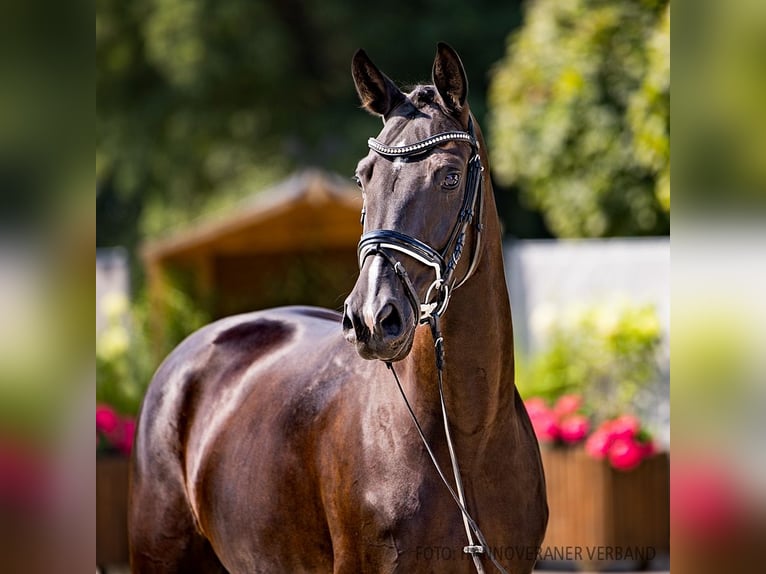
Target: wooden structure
point(292, 244)
point(111, 510)
point(606, 515)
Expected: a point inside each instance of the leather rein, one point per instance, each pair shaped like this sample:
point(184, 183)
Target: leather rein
point(386, 243)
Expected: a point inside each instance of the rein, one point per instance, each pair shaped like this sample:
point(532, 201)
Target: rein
point(443, 262)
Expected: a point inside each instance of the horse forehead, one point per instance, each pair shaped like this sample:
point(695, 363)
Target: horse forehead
point(409, 130)
point(448, 152)
point(400, 131)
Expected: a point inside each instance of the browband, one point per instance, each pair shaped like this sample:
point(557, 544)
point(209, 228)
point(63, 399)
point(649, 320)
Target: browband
point(419, 147)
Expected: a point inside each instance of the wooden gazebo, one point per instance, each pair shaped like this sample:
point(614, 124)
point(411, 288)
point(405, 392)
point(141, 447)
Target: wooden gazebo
point(292, 244)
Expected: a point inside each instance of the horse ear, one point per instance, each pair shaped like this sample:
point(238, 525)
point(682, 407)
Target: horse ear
point(450, 80)
point(378, 94)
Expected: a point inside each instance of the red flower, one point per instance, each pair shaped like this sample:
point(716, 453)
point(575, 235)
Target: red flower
point(546, 426)
point(567, 405)
point(125, 442)
point(544, 422)
point(25, 477)
point(599, 442)
point(574, 428)
point(107, 420)
point(621, 440)
point(706, 500)
point(625, 454)
point(625, 426)
point(535, 406)
point(115, 431)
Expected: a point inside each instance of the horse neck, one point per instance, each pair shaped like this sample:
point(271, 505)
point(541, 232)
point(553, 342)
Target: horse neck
point(478, 339)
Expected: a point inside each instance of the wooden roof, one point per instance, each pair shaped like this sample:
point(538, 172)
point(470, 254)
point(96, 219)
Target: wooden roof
point(312, 210)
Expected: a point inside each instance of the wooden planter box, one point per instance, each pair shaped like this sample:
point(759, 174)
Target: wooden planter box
point(111, 510)
point(609, 515)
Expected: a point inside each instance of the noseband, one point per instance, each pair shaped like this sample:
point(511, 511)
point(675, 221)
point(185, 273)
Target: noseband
point(443, 262)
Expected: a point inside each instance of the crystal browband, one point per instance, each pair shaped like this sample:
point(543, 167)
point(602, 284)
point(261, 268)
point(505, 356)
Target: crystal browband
point(421, 146)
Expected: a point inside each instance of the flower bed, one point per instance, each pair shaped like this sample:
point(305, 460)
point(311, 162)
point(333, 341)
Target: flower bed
point(114, 440)
point(621, 440)
point(608, 489)
point(114, 433)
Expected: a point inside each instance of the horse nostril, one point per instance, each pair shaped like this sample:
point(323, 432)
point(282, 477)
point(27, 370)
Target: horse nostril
point(390, 321)
point(354, 328)
point(348, 324)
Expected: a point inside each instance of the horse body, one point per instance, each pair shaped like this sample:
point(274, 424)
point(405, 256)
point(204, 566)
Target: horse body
point(267, 444)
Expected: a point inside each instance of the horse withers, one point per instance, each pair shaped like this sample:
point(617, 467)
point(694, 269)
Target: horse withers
point(268, 443)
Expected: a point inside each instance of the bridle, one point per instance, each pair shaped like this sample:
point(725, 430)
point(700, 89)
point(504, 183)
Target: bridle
point(443, 262)
point(385, 242)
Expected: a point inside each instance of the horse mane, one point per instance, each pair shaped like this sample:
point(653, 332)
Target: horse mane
point(420, 99)
point(422, 95)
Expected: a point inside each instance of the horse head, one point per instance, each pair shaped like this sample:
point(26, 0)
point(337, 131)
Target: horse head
point(421, 186)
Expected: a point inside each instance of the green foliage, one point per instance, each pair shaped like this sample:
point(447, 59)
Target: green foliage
point(580, 115)
point(715, 347)
point(129, 348)
point(200, 99)
point(606, 353)
point(721, 122)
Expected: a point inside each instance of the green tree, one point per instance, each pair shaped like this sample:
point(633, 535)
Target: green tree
point(202, 101)
point(580, 115)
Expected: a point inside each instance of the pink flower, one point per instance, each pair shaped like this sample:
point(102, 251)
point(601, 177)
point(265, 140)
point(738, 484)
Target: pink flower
point(535, 406)
point(706, 500)
point(625, 454)
point(25, 476)
point(544, 421)
point(107, 419)
point(125, 441)
point(546, 426)
point(599, 442)
point(574, 428)
point(625, 426)
point(567, 405)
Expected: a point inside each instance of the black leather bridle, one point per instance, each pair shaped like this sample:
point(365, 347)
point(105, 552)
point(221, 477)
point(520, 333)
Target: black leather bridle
point(443, 262)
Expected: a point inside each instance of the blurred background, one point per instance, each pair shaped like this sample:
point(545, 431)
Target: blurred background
point(226, 134)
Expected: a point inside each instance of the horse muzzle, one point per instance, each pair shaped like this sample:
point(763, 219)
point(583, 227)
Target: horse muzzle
point(378, 319)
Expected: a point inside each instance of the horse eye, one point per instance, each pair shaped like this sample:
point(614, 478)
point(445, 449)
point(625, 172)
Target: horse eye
point(357, 181)
point(451, 181)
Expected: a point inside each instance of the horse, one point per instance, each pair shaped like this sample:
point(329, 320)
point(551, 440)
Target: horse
point(300, 439)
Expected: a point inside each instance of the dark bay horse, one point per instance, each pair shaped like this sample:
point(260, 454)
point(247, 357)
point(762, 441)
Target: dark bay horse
point(268, 443)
